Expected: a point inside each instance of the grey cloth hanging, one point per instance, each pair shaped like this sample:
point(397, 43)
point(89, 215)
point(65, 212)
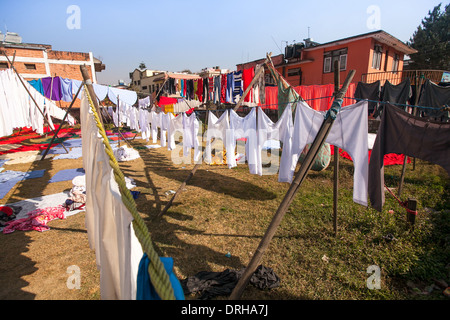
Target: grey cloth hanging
point(402, 133)
point(434, 96)
point(369, 91)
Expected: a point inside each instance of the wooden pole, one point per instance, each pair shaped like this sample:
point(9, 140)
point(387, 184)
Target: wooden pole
point(180, 189)
point(402, 176)
point(411, 215)
point(118, 120)
point(90, 88)
point(336, 154)
point(295, 185)
point(64, 119)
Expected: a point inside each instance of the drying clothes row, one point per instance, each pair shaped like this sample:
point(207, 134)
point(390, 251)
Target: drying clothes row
point(18, 108)
point(430, 96)
point(223, 88)
point(177, 105)
point(58, 88)
point(349, 132)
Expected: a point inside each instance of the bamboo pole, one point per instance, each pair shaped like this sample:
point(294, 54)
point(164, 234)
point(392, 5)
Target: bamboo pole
point(180, 189)
point(295, 185)
point(402, 175)
point(90, 88)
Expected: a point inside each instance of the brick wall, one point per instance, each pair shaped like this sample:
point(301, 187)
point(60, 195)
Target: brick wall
point(60, 63)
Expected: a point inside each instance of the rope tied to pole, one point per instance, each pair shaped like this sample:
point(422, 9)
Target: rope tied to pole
point(334, 109)
point(403, 204)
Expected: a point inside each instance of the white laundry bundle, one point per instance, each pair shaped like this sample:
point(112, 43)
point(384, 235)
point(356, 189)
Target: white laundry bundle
point(124, 153)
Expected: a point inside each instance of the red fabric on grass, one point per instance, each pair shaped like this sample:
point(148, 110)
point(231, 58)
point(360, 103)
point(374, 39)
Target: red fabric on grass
point(389, 159)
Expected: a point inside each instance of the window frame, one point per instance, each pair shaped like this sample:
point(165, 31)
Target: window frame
point(395, 63)
point(30, 66)
point(294, 72)
point(331, 56)
point(376, 57)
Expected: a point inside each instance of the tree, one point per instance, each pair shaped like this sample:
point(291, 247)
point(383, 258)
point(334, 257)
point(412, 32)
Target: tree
point(432, 41)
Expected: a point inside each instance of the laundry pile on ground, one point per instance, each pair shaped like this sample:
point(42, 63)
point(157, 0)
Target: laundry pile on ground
point(35, 213)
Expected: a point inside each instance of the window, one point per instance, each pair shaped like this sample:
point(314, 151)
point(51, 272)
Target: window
point(376, 60)
point(386, 60)
point(268, 80)
point(30, 66)
point(330, 57)
point(3, 65)
point(395, 63)
point(294, 72)
point(144, 88)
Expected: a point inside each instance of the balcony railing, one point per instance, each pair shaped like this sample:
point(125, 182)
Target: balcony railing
point(396, 77)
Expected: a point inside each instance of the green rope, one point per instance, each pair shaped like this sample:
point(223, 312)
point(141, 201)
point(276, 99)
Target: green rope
point(158, 275)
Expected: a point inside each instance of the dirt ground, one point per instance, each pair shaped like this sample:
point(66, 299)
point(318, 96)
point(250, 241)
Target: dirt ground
point(215, 224)
point(35, 265)
point(38, 265)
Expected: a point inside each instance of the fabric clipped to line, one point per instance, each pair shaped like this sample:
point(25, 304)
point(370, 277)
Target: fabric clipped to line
point(214, 284)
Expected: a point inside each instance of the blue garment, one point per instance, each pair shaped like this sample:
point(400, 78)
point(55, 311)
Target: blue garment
point(37, 84)
point(145, 289)
point(230, 87)
point(8, 179)
point(66, 175)
point(66, 90)
point(238, 85)
point(182, 88)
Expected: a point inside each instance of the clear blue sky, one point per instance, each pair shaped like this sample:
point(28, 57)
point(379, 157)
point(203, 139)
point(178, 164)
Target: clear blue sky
point(174, 35)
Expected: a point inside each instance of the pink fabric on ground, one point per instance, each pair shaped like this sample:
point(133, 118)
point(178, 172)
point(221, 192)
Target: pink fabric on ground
point(37, 220)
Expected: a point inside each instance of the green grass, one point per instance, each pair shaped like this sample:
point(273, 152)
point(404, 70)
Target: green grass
point(229, 210)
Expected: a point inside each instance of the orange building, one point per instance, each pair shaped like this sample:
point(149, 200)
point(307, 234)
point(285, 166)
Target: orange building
point(311, 63)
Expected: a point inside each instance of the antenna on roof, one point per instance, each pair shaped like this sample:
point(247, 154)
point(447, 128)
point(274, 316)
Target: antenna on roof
point(277, 45)
point(308, 32)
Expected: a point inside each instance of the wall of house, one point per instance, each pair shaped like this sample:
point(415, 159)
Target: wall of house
point(387, 61)
point(50, 63)
point(359, 58)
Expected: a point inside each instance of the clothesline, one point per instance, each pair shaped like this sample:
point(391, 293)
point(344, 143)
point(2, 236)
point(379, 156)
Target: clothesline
point(328, 97)
point(63, 89)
